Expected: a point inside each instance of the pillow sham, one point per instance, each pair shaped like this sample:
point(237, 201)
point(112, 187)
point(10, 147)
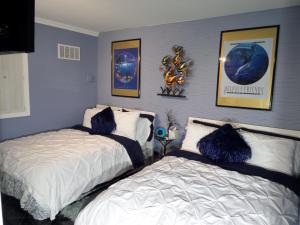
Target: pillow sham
point(224, 145)
point(89, 113)
point(103, 122)
point(270, 133)
point(142, 129)
point(151, 119)
point(194, 132)
point(126, 124)
point(273, 153)
point(297, 160)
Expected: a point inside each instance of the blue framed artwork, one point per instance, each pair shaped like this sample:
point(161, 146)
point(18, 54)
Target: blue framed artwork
point(246, 67)
point(126, 66)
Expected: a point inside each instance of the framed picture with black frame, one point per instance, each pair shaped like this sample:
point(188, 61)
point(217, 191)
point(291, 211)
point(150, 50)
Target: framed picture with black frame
point(126, 68)
point(247, 61)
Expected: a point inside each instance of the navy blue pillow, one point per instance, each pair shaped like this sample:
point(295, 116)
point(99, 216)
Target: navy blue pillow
point(225, 145)
point(103, 122)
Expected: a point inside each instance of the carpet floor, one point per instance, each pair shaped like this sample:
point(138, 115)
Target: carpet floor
point(14, 215)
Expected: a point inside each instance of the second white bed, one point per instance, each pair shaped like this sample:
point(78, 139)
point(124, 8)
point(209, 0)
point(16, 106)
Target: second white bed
point(185, 188)
point(50, 170)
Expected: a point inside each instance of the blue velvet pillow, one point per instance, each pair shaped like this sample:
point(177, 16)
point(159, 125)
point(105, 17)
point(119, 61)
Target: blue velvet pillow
point(225, 145)
point(103, 122)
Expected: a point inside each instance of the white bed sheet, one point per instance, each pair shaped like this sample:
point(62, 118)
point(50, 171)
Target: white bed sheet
point(58, 166)
point(179, 191)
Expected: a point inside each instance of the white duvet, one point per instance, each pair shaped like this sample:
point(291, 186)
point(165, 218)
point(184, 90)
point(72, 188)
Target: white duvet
point(57, 167)
point(185, 192)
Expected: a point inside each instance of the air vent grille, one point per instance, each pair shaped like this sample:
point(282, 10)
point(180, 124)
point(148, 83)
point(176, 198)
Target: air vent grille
point(68, 52)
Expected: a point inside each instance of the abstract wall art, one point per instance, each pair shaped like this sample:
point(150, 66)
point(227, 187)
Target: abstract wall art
point(175, 71)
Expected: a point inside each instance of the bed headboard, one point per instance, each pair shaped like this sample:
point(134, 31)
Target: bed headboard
point(148, 148)
point(293, 133)
point(128, 109)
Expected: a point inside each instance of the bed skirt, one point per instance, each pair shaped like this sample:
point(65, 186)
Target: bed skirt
point(15, 188)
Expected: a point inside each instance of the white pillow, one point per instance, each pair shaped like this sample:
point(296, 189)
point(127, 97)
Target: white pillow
point(297, 160)
point(143, 130)
point(89, 113)
point(194, 132)
point(270, 152)
point(126, 123)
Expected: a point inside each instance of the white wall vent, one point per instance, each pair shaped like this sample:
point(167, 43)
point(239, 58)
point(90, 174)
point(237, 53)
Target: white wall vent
point(68, 52)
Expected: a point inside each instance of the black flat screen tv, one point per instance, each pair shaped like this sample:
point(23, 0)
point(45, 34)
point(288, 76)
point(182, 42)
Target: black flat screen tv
point(17, 26)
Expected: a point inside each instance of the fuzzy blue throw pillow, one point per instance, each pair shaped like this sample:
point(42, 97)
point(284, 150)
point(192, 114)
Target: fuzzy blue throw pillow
point(103, 123)
point(225, 145)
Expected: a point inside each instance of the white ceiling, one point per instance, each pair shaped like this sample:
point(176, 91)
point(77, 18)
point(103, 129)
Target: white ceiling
point(108, 15)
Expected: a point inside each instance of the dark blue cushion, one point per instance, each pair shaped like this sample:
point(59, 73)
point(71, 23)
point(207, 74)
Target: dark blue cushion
point(103, 122)
point(225, 145)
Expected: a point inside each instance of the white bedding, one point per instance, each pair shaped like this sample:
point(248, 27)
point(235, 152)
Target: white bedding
point(55, 168)
point(185, 192)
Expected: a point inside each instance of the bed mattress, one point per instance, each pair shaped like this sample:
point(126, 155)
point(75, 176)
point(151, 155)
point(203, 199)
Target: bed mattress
point(50, 170)
point(181, 191)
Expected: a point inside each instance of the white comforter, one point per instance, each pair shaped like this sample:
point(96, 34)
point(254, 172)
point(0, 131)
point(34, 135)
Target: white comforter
point(57, 167)
point(185, 192)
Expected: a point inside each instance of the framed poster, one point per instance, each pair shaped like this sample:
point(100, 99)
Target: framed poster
point(125, 68)
point(246, 67)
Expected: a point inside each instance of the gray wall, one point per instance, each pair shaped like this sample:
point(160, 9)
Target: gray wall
point(201, 41)
point(59, 90)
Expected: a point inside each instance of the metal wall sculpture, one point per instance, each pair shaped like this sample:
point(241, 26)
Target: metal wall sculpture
point(175, 71)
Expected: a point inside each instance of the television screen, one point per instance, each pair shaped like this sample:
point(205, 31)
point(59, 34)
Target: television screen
point(17, 26)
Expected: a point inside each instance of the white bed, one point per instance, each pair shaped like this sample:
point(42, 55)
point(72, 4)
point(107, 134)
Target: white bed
point(1, 218)
point(50, 170)
point(177, 190)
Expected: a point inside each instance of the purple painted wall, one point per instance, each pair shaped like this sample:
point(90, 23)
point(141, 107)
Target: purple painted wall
point(201, 41)
point(59, 90)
